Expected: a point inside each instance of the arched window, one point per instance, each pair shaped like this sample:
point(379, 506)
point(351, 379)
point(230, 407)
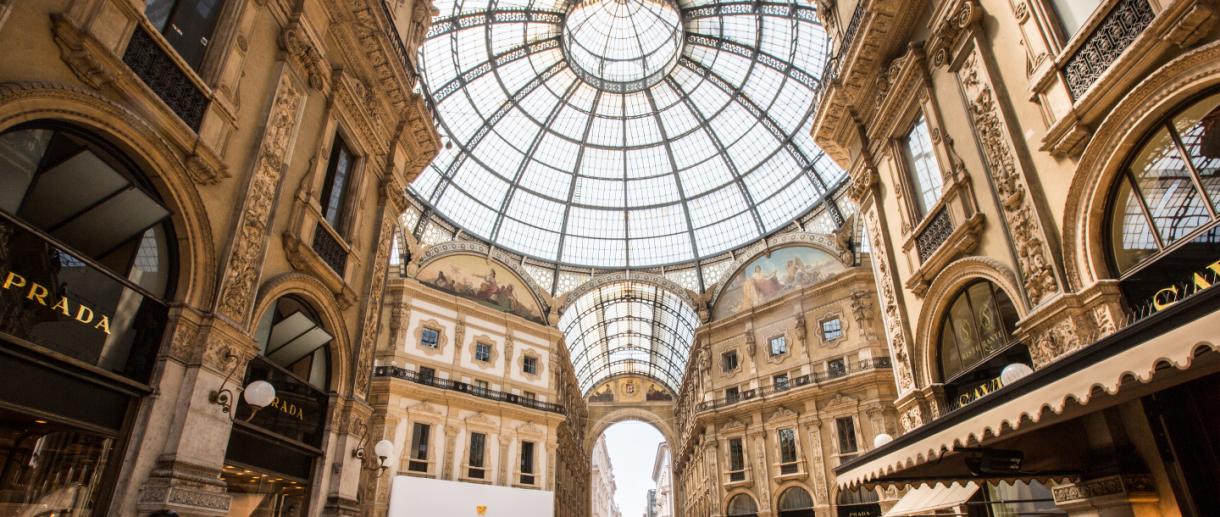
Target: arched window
point(742, 505)
point(860, 502)
point(291, 336)
point(82, 193)
point(976, 340)
point(1163, 222)
point(795, 502)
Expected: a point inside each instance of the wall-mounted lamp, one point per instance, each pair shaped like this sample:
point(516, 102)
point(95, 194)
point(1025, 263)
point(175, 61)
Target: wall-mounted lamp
point(1014, 372)
point(257, 394)
point(384, 449)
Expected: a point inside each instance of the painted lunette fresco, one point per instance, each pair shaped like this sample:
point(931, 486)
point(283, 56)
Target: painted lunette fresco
point(767, 277)
point(483, 281)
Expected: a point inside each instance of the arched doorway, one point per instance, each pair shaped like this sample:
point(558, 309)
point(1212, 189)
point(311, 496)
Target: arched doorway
point(860, 502)
point(274, 453)
point(742, 505)
point(795, 502)
point(630, 471)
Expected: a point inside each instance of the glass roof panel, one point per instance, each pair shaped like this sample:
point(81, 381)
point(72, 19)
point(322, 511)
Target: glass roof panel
point(624, 133)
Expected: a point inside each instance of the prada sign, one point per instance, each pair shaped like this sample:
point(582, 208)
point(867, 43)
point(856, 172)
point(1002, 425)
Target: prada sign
point(298, 411)
point(53, 299)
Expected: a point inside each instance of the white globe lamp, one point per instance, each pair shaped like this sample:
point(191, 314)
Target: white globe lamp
point(258, 394)
point(882, 439)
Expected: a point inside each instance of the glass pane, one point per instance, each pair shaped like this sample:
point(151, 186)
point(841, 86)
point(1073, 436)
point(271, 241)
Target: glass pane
point(925, 172)
point(1167, 187)
point(49, 469)
point(992, 335)
point(965, 332)
point(1131, 239)
point(1073, 13)
point(950, 358)
point(787, 446)
point(259, 493)
point(1199, 128)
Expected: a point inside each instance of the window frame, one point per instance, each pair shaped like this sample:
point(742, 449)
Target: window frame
point(736, 453)
point(788, 466)
point(197, 63)
point(838, 321)
point(342, 223)
point(480, 345)
point(436, 337)
point(412, 457)
point(913, 185)
point(725, 356)
point(782, 340)
point(532, 464)
point(481, 458)
point(853, 433)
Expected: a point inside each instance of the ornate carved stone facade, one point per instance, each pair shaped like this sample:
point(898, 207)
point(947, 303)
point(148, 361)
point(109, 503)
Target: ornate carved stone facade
point(221, 140)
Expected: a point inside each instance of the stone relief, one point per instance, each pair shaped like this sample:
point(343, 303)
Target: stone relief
point(891, 316)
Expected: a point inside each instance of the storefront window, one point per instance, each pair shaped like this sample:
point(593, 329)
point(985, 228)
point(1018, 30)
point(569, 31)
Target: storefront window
point(741, 505)
point(1163, 223)
point(48, 468)
point(979, 324)
point(1018, 498)
point(258, 493)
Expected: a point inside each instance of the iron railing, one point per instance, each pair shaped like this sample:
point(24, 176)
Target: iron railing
point(153, 65)
point(329, 249)
point(1102, 47)
point(461, 387)
point(934, 234)
point(818, 377)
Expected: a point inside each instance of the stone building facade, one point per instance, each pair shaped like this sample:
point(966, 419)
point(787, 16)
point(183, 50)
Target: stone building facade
point(783, 389)
point(1043, 168)
point(602, 488)
point(254, 166)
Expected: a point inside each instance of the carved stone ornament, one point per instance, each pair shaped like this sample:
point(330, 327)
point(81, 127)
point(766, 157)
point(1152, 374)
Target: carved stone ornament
point(782, 414)
point(891, 315)
point(298, 45)
point(372, 311)
point(1032, 250)
point(250, 243)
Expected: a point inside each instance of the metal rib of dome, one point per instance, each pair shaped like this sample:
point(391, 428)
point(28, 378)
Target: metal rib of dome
point(624, 133)
point(629, 328)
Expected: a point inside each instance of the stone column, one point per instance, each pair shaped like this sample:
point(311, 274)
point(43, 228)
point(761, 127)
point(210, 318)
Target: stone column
point(505, 472)
point(446, 470)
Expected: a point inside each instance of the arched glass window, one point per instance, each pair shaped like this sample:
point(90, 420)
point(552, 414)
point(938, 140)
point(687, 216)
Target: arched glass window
point(979, 324)
point(861, 501)
point(795, 498)
point(292, 337)
point(1168, 196)
point(79, 191)
point(742, 505)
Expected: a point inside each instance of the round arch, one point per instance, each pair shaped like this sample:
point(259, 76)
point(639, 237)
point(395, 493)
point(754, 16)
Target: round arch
point(942, 291)
point(161, 164)
point(794, 500)
point(449, 249)
point(312, 291)
point(600, 424)
point(740, 503)
point(817, 241)
point(1085, 256)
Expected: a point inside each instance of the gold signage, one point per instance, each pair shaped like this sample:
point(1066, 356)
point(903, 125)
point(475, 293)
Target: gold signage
point(288, 408)
point(980, 391)
point(39, 294)
point(1173, 294)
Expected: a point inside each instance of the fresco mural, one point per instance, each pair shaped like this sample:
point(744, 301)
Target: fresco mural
point(631, 388)
point(770, 276)
point(483, 281)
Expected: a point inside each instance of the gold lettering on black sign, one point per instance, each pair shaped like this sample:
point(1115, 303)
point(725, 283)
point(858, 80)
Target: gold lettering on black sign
point(288, 408)
point(980, 391)
point(38, 293)
point(1173, 294)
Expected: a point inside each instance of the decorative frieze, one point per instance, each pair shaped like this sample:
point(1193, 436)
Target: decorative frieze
point(1033, 253)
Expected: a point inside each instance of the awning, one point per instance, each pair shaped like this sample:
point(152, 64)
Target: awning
point(1173, 338)
point(927, 499)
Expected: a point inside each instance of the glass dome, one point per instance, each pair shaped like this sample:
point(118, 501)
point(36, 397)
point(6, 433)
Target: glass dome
point(624, 133)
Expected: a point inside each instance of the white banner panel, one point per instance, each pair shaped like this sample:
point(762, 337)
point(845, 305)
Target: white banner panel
point(419, 497)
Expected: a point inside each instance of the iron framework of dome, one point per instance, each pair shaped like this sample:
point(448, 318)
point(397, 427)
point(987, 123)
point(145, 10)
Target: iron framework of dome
point(687, 125)
point(628, 328)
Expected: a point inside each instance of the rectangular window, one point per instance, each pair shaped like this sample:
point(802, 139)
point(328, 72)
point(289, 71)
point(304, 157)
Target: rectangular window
point(530, 365)
point(787, 452)
point(529, 395)
point(846, 428)
point(477, 443)
point(527, 463)
point(737, 460)
point(780, 382)
point(832, 329)
point(186, 24)
point(728, 361)
point(1073, 13)
point(732, 395)
point(481, 385)
point(430, 337)
point(836, 368)
point(334, 187)
point(779, 345)
point(482, 352)
point(419, 448)
point(926, 180)
point(426, 374)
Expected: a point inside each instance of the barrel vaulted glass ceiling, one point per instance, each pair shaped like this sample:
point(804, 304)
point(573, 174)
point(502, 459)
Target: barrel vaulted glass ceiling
point(624, 133)
point(629, 328)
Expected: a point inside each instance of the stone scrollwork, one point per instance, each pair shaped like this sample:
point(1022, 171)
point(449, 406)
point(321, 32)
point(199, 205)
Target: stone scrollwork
point(250, 243)
point(891, 314)
point(372, 312)
point(1031, 246)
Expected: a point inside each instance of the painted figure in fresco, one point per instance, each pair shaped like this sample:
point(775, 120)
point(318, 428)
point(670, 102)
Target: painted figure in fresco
point(764, 285)
point(490, 288)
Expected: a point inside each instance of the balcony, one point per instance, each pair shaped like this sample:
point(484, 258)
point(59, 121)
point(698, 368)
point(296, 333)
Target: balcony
point(815, 378)
point(461, 387)
point(154, 64)
point(1102, 47)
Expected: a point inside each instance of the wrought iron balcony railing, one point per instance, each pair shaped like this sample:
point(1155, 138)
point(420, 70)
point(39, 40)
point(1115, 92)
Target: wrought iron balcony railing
point(329, 249)
point(818, 377)
point(1102, 47)
point(153, 64)
point(935, 233)
point(458, 386)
